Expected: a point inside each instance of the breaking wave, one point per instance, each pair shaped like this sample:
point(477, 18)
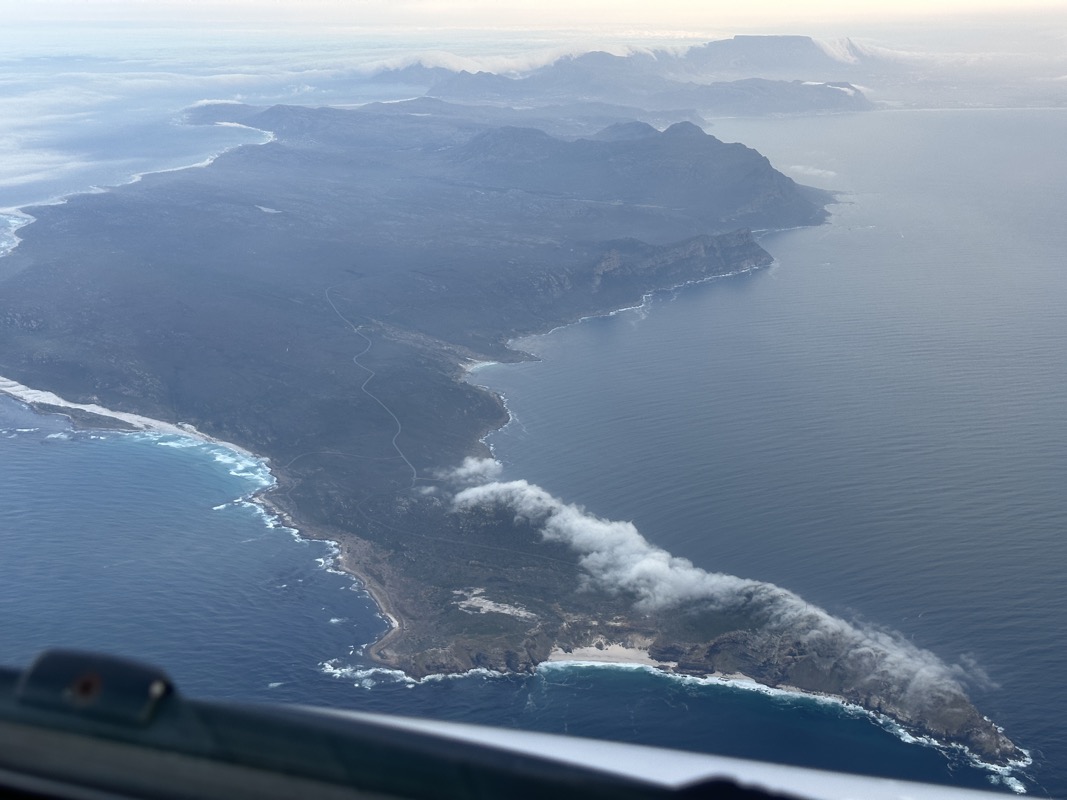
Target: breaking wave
point(10, 221)
point(365, 677)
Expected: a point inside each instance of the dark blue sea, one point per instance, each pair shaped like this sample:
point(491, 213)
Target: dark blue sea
point(878, 423)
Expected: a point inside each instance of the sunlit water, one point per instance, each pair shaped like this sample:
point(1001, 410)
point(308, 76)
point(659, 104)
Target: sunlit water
point(878, 423)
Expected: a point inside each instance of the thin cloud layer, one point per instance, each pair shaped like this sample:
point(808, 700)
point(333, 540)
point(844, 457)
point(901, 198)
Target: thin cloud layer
point(472, 471)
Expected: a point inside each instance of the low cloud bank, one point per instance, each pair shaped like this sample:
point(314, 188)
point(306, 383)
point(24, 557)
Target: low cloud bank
point(471, 472)
point(617, 558)
point(614, 555)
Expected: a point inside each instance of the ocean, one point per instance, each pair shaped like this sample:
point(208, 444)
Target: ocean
point(878, 423)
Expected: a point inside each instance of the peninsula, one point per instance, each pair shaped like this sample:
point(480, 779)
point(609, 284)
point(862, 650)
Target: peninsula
point(317, 299)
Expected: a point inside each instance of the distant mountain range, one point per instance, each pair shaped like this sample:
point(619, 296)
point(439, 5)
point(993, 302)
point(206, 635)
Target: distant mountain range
point(751, 75)
point(754, 76)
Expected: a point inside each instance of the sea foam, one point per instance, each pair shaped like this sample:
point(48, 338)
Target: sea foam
point(10, 221)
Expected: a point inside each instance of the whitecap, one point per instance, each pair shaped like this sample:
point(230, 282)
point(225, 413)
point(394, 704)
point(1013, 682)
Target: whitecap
point(477, 672)
point(176, 443)
point(335, 669)
point(242, 466)
point(10, 221)
point(360, 674)
point(328, 562)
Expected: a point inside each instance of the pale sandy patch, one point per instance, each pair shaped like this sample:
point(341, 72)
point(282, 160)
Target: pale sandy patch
point(475, 602)
point(606, 654)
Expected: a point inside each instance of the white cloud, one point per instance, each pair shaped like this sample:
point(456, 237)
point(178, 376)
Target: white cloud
point(617, 558)
point(813, 172)
point(472, 471)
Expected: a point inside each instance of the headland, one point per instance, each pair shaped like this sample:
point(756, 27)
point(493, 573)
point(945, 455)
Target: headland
point(315, 299)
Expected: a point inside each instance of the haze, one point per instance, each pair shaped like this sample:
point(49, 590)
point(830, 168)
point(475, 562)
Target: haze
point(1036, 29)
point(484, 13)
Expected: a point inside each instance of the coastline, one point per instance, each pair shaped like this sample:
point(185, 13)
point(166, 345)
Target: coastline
point(90, 416)
point(352, 552)
point(639, 306)
point(625, 655)
point(345, 560)
point(620, 655)
point(14, 219)
point(468, 368)
point(367, 562)
point(17, 217)
point(353, 549)
point(48, 402)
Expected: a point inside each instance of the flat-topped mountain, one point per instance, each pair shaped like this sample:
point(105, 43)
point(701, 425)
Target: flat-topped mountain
point(779, 57)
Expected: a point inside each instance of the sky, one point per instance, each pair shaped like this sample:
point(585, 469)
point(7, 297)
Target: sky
point(684, 14)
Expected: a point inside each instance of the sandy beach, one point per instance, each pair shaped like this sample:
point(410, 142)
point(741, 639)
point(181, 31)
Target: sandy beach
point(40, 399)
point(607, 654)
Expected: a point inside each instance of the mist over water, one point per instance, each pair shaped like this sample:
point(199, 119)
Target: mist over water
point(85, 106)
